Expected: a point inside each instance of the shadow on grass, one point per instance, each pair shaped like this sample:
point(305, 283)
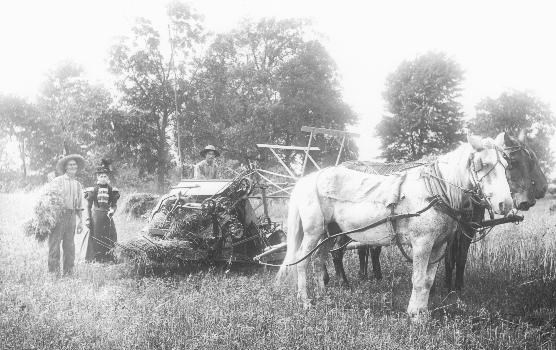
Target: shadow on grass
point(491, 298)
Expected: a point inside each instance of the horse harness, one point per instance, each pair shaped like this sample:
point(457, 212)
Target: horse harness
point(441, 200)
point(438, 200)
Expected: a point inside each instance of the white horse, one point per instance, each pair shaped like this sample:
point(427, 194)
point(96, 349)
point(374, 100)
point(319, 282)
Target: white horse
point(352, 200)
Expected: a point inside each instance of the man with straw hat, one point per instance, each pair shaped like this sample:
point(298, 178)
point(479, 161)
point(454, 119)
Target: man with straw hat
point(70, 219)
point(207, 168)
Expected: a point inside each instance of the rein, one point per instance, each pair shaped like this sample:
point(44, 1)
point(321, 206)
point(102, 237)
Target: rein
point(439, 201)
point(443, 205)
point(390, 218)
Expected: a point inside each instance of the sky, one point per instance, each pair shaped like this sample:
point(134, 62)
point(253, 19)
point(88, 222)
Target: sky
point(501, 45)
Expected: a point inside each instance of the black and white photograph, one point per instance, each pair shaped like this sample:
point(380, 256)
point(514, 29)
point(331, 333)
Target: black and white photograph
point(295, 174)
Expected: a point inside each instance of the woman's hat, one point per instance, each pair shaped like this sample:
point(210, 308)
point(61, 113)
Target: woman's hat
point(104, 167)
point(210, 148)
point(61, 164)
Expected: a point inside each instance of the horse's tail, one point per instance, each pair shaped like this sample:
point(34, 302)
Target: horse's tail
point(288, 274)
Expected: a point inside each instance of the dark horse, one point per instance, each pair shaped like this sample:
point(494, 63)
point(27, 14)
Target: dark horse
point(527, 183)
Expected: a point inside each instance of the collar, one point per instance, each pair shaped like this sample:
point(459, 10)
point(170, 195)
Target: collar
point(66, 176)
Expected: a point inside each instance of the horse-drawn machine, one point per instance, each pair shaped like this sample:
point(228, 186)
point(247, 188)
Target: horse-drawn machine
point(215, 221)
point(206, 221)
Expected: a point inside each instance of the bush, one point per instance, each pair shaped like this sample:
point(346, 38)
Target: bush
point(139, 204)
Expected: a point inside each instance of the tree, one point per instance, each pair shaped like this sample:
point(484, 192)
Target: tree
point(18, 119)
point(147, 78)
point(424, 114)
point(516, 111)
point(261, 83)
point(68, 105)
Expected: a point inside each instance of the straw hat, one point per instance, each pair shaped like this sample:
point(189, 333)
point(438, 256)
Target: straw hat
point(210, 148)
point(61, 165)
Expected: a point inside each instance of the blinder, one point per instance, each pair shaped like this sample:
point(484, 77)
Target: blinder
point(478, 165)
point(507, 154)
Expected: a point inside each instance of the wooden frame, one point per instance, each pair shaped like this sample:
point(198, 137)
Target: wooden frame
point(329, 132)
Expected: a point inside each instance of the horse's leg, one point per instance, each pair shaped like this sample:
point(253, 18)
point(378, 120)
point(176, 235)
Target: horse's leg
point(312, 236)
point(463, 249)
point(461, 260)
point(421, 281)
point(318, 259)
point(450, 258)
point(326, 276)
point(338, 260)
point(375, 259)
point(338, 254)
point(434, 261)
point(363, 262)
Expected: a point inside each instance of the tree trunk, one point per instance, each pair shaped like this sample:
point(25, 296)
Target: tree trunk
point(160, 178)
point(22, 156)
point(66, 148)
point(161, 168)
point(162, 156)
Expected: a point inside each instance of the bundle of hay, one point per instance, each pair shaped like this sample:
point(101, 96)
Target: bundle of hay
point(193, 226)
point(189, 235)
point(147, 251)
point(139, 204)
point(47, 212)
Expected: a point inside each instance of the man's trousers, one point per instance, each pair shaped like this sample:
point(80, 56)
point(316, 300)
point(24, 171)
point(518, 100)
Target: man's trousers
point(63, 233)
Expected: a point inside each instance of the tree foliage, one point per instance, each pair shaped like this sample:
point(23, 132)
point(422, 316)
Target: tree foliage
point(261, 83)
point(424, 114)
point(147, 75)
point(19, 120)
point(516, 111)
point(68, 106)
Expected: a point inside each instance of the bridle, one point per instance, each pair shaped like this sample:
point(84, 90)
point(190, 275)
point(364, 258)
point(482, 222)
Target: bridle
point(477, 194)
point(475, 172)
point(508, 151)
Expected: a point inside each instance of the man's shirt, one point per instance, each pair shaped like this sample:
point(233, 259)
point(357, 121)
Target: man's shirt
point(205, 171)
point(71, 191)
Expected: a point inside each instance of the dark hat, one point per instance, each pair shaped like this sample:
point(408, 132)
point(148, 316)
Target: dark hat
point(210, 148)
point(104, 167)
point(61, 165)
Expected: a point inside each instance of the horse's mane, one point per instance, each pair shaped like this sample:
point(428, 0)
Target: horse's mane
point(453, 167)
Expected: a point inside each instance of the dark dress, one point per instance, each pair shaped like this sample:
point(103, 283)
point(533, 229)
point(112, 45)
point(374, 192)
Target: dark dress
point(102, 234)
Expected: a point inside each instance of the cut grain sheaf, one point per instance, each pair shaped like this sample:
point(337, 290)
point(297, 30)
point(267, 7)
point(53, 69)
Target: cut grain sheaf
point(46, 214)
point(150, 250)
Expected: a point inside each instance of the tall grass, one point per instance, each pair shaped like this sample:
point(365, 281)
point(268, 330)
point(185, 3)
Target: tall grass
point(509, 301)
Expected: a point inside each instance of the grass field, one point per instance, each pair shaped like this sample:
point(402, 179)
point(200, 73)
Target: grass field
point(509, 300)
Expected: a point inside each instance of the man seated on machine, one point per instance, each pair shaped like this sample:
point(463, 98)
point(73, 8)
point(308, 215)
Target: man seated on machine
point(207, 168)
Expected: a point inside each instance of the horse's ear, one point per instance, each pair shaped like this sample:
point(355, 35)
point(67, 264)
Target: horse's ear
point(501, 140)
point(507, 139)
point(476, 142)
point(522, 136)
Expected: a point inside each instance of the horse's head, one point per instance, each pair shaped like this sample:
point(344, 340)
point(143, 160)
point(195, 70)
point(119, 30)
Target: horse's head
point(487, 166)
point(525, 176)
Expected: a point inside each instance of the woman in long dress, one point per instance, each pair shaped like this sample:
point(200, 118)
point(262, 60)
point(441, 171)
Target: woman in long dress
point(101, 205)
